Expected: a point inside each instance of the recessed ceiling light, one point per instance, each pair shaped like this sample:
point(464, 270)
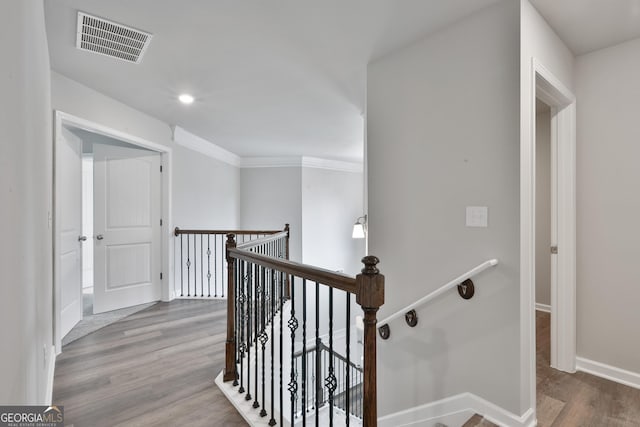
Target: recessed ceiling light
point(185, 98)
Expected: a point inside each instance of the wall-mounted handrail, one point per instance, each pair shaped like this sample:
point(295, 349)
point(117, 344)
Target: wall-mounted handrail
point(449, 285)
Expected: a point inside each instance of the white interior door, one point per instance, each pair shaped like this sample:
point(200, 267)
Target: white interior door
point(68, 179)
point(127, 236)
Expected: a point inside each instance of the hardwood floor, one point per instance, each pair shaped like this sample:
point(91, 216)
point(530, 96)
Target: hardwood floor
point(154, 368)
point(157, 368)
point(568, 400)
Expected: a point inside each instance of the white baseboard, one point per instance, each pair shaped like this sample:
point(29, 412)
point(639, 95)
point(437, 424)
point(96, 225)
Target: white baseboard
point(543, 307)
point(463, 405)
point(51, 368)
point(631, 379)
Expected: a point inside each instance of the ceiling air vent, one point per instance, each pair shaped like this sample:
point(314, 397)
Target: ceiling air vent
point(108, 38)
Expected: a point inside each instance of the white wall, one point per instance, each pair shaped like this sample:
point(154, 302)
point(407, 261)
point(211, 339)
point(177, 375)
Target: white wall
point(331, 202)
point(205, 190)
point(271, 198)
point(539, 41)
point(608, 93)
point(442, 134)
point(25, 190)
point(543, 207)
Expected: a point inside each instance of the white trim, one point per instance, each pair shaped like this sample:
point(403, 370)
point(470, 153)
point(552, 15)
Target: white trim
point(563, 315)
point(202, 146)
point(193, 142)
point(464, 402)
point(543, 307)
point(50, 375)
point(271, 162)
point(62, 118)
point(304, 162)
point(622, 376)
point(334, 165)
point(563, 284)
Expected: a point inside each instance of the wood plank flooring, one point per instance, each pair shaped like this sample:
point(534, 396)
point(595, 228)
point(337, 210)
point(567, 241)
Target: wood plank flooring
point(154, 368)
point(580, 399)
point(157, 368)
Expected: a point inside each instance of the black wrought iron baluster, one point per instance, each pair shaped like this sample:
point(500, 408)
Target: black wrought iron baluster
point(201, 270)
point(281, 311)
point(293, 382)
point(304, 352)
point(241, 319)
point(221, 270)
point(263, 336)
point(215, 265)
point(195, 268)
point(318, 374)
point(272, 277)
point(181, 269)
point(248, 320)
point(209, 267)
point(348, 354)
point(331, 381)
point(236, 283)
point(188, 268)
point(256, 326)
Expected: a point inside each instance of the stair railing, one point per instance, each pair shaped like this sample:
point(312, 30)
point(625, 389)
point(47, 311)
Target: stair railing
point(267, 291)
point(200, 260)
point(347, 396)
point(466, 290)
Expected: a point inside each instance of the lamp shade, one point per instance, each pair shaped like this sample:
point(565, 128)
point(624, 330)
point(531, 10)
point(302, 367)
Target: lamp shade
point(358, 231)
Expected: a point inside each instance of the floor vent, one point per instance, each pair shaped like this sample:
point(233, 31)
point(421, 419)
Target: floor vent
point(108, 38)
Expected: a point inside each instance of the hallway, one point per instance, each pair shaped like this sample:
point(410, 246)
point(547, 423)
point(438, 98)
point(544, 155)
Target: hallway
point(153, 368)
point(580, 399)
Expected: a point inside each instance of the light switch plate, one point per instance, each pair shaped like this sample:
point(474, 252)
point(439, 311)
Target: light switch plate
point(477, 216)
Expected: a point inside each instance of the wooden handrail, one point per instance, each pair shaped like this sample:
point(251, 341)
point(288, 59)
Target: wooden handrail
point(177, 231)
point(262, 240)
point(326, 277)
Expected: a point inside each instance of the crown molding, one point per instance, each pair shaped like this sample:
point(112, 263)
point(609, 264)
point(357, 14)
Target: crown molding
point(202, 146)
point(301, 162)
point(334, 165)
point(270, 162)
point(209, 149)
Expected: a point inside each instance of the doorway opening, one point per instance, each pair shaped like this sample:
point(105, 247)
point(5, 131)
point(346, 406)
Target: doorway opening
point(554, 214)
point(110, 201)
point(87, 231)
point(544, 238)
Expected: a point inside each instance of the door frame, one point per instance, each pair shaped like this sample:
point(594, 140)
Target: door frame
point(551, 90)
point(563, 219)
point(64, 119)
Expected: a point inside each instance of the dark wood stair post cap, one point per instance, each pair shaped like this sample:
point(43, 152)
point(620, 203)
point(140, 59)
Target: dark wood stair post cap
point(370, 284)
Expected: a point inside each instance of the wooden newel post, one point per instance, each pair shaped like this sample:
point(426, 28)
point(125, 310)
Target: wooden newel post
point(230, 373)
point(370, 296)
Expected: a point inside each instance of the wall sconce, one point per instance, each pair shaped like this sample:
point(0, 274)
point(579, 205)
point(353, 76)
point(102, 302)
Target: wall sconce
point(360, 227)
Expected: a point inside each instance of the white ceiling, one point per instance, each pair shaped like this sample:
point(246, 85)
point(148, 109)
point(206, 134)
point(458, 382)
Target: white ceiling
point(588, 25)
point(271, 78)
